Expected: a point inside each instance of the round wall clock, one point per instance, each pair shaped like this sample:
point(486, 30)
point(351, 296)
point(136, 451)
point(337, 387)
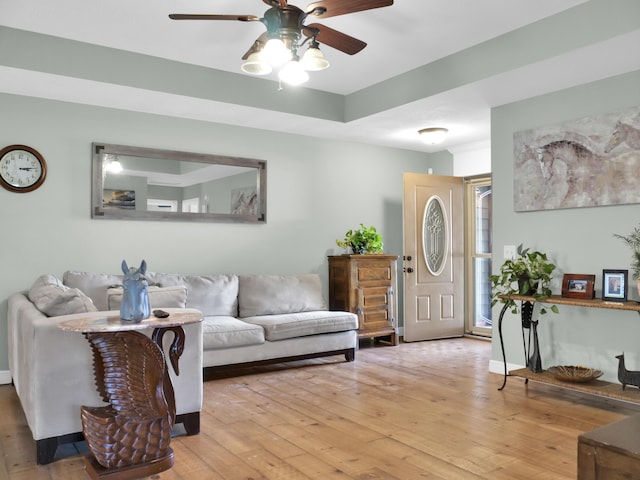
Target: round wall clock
point(22, 168)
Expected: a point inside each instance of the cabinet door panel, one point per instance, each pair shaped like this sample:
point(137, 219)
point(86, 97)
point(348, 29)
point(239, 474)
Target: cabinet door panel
point(376, 307)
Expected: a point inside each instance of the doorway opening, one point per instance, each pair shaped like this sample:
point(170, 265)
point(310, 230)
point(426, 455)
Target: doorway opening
point(478, 254)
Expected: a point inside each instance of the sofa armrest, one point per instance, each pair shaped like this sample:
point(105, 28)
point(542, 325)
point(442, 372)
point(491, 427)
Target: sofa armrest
point(53, 374)
point(51, 370)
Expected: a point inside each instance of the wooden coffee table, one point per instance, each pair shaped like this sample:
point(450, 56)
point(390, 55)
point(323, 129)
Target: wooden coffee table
point(129, 438)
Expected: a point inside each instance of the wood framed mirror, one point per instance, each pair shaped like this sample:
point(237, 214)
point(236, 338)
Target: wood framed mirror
point(151, 184)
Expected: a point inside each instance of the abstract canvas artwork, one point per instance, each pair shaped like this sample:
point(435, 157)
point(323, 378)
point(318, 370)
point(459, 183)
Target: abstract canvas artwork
point(588, 162)
point(244, 201)
point(119, 199)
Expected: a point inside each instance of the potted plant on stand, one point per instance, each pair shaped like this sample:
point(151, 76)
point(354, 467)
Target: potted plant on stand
point(361, 241)
point(529, 274)
point(633, 242)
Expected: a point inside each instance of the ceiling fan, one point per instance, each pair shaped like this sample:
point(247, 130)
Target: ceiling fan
point(287, 32)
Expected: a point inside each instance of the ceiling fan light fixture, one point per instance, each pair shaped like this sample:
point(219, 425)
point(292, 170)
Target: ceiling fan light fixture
point(313, 59)
point(275, 52)
point(285, 26)
point(293, 73)
point(255, 65)
point(433, 136)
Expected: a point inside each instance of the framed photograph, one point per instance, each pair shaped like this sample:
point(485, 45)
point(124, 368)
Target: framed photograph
point(578, 286)
point(614, 285)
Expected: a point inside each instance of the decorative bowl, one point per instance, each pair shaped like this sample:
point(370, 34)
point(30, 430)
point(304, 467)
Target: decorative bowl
point(576, 374)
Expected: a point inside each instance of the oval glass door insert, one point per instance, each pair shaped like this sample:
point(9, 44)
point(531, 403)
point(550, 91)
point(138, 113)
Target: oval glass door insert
point(435, 235)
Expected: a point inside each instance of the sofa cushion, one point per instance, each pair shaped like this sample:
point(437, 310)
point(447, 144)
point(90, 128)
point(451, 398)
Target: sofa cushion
point(226, 332)
point(95, 285)
point(291, 325)
point(211, 294)
point(52, 298)
point(159, 297)
point(276, 294)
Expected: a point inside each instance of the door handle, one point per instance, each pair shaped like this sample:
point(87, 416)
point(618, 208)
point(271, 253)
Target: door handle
point(408, 270)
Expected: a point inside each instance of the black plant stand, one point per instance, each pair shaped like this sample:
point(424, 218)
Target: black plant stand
point(532, 357)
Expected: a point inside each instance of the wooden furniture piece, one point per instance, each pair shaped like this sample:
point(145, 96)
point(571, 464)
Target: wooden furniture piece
point(611, 452)
point(597, 387)
point(129, 438)
point(366, 286)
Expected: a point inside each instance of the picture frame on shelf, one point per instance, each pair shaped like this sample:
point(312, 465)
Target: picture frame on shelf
point(575, 285)
point(614, 285)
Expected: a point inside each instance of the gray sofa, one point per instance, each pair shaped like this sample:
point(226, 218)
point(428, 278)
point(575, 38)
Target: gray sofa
point(248, 319)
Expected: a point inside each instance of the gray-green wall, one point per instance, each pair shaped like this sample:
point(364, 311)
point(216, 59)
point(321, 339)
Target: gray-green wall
point(317, 190)
point(579, 240)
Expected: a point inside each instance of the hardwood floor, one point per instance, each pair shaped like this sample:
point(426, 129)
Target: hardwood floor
point(418, 410)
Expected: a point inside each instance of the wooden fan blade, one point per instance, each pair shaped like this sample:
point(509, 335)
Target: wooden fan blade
point(257, 45)
point(275, 3)
point(333, 8)
point(335, 39)
point(195, 16)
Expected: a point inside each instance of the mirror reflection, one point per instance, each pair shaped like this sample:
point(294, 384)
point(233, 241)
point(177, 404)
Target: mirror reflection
point(143, 183)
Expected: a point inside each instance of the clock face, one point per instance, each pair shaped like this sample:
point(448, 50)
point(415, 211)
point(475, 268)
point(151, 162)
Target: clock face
point(22, 169)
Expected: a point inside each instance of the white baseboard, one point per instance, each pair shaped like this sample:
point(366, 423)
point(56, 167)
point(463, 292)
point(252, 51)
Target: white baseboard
point(497, 366)
point(5, 377)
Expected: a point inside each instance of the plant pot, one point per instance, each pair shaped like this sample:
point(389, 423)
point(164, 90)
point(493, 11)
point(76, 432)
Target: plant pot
point(533, 288)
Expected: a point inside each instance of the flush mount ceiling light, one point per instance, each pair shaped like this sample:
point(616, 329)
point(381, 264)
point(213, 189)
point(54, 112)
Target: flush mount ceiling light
point(112, 164)
point(433, 136)
point(277, 48)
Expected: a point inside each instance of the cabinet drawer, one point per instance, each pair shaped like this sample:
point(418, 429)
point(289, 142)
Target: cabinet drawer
point(373, 274)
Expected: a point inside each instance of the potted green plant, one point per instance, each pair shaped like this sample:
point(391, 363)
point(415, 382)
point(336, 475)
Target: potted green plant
point(361, 241)
point(633, 242)
point(529, 273)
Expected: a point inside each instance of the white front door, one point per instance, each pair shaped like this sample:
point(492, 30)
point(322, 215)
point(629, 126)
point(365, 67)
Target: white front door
point(433, 257)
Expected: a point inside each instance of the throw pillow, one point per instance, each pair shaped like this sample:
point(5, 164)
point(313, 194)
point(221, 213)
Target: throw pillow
point(159, 297)
point(53, 298)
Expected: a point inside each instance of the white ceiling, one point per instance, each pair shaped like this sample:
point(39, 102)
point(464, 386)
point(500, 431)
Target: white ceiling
point(409, 34)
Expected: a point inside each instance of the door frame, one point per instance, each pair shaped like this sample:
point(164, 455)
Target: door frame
point(470, 254)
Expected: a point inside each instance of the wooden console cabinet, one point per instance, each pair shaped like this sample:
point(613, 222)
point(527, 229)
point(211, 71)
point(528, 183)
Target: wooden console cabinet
point(366, 286)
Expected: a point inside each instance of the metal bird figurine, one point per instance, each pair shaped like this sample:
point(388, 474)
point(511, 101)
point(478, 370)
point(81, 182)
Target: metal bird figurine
point(627, 377)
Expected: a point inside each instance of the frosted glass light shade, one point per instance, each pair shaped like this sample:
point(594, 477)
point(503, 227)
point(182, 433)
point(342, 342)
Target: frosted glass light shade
point(433, 136)
point(314, 60)
point(275, 52)
point(293, 73)
point(255, 65)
